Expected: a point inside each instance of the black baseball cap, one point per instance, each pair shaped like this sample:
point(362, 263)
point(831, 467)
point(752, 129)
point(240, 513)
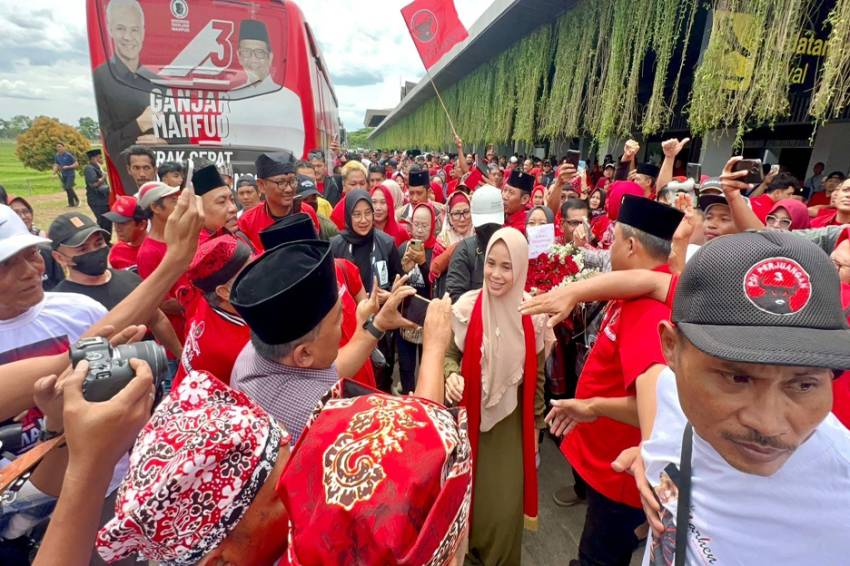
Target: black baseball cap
point(707, 201)
point(766, 297)
point(72, 229)
point(306, 187)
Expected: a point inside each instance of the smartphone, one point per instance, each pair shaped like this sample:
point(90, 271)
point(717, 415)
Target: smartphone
point(573, 157)
point(694, 171)
point(753, 167)
point(414, 309)
point(416, 245)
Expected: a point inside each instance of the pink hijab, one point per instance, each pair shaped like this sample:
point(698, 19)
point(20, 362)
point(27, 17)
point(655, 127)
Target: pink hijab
point(796, 210)
point(616, 192)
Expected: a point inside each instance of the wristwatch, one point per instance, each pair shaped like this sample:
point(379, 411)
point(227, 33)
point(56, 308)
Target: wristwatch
point(369, 326)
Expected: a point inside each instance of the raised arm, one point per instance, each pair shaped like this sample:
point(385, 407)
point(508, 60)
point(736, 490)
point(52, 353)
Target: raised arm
point(627, 284)
point(742, 214)
point(436, 335)
point(671, 149)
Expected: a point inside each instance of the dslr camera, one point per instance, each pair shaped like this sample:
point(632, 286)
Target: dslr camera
point(109, 368)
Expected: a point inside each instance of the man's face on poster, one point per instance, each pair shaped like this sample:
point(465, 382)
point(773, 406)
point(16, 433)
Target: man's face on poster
point(127, 29)
point(256, 58)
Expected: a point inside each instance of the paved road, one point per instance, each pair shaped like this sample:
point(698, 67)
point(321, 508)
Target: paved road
point(556, 541)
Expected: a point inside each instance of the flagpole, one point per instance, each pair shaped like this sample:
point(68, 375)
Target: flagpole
point(443, 104)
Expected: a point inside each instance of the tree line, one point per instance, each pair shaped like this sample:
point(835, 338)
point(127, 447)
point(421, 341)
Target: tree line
point(12, 127)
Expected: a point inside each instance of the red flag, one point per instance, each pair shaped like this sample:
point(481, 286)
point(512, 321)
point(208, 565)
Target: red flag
point(434, 27)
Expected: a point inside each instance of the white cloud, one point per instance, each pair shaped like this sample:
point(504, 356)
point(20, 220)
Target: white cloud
point(45, 68)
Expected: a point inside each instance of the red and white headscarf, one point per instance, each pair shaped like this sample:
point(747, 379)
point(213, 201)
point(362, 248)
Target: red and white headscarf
point(378, 479)
point(194, 470)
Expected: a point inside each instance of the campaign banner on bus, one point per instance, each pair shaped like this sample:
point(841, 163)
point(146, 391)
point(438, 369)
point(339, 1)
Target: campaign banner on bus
point(194, 80)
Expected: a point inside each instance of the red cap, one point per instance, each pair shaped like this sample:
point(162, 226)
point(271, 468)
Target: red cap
point(124, 209)
point(217, 261)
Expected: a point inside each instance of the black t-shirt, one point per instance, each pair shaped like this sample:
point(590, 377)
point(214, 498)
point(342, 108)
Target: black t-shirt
point(53, 273)
point(110, 294)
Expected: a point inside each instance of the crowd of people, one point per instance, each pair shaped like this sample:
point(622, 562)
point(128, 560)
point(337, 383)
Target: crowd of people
point(347, 362)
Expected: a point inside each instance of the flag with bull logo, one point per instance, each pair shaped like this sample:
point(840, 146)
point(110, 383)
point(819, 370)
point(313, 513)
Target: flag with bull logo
point(434, 27)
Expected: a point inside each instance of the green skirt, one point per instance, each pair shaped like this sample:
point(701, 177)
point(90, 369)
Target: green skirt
point(495, 536)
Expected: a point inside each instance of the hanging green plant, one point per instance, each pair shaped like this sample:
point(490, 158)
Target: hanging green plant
point(744, 77)
point(832, 92)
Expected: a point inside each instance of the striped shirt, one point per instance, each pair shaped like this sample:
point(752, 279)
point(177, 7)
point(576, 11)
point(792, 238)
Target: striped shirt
point(289, 394)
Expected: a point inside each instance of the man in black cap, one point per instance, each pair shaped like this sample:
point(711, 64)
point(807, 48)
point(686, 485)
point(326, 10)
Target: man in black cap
point(217, 198)
point(645, 177)
point(418, 183)
point(251, 124)
point(97, 189)
point(743, 437)
point(718, 217)
point(617, 383)
point(308, 196)
point(291, 362)
point(515, 197)
point(276, 179)
point(79, 245)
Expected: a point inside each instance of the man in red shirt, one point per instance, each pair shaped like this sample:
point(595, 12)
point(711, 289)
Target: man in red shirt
point(841, 214)
point(781, 187)
point(216, 333)
point(616, 385)
point(277, 181)
point(217, 199)
point(516, 195)
point(158, 201)
point(131, 226)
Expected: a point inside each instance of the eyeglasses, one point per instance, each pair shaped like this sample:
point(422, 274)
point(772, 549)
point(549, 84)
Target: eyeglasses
point(838, 265)
point(460, 214)
point(421, 226)
point(363, 215)
point(282, 184)
point(261, 54)
point(773, 220)
point(574, 223)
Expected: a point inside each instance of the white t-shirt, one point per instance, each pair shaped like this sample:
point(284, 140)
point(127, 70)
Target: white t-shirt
point(49, 327)
point(799, 515)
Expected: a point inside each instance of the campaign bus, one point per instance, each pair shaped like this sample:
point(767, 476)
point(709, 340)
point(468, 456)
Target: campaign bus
point(207, 80)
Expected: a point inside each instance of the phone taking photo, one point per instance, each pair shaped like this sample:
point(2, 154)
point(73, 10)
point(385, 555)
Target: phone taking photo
point(414, 309)
point(755, 174)
point(694, 171)
point(573, 157)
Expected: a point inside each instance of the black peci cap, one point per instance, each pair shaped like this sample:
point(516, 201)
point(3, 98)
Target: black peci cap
point(288, 291)
point(253, 29)
point(93, 152)
point(764, 297)
point(521, 180)
point(206, 179)
point(290, 228)
point(648, 169)
point(649, 216)
point(270, 164)
point(419, 178)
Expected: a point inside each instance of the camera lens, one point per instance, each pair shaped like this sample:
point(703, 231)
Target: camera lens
point(149, 351)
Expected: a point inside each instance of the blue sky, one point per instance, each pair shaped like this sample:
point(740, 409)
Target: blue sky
point(45, 67)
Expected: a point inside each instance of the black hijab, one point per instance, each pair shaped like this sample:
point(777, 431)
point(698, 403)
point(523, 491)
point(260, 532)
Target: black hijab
point(351, 200)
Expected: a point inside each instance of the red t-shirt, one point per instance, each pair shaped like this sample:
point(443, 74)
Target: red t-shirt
point(214, 339)
point(761, 206)
point(517, 220)
point(254, 221)
point(149, 257)
point(841, 386)
point(123, 255)
point(627, 345)
point(827, 217)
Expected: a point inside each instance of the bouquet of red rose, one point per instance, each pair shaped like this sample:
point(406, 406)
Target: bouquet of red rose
point(561, 265)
